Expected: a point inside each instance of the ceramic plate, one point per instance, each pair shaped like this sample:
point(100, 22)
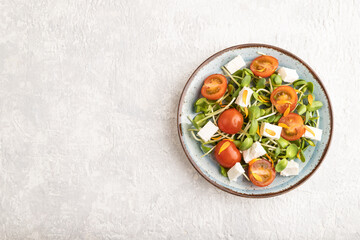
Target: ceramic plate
point(207, 166)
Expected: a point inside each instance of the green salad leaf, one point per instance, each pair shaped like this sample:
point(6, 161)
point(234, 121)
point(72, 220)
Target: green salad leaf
point(316, 105)
point(291, 151)
point(246, 144)
point(223, 171)
point(281, 165)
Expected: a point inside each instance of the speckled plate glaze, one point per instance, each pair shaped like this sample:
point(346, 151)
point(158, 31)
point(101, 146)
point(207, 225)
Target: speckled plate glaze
point(207, 166)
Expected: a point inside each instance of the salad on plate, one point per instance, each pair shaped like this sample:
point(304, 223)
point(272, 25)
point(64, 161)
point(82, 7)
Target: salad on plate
point(256, 121)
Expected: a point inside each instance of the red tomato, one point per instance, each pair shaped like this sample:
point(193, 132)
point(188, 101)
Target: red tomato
point(282, 97)
point(261, 172)
point(296, 127)
point(214, 87)
point(264, 66)
point(228, 154)
point(230, 121)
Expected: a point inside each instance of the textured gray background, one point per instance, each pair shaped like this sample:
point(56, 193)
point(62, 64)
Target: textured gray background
point(88, 99)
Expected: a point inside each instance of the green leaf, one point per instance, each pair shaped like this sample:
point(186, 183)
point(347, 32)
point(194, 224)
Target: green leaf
point(256, 137)
point(267, 104)
point(216, 107)
point(198, 118)
point(246, 81)
point(277, 151)
point(248, 72)
point(205, 148)
point(231, 89)
point(277, 118)
point(236, 93)
point(201, 102)
point(311, 143)
point(281, 165)
point(262, 112)
point(291, 151)
point(223, 171)
point(272, 77)
point(253, 127)
point(299, 82)
point(201, 105)
point(302, 144)
point(302, 156)
point(256, 96)
point(246, 144)
point(198, 109)
point(310, 87)
point(267, 111)
point(314, 106)
point(237, 143)
point(254, 112)
point(297, 142)
point(307, 116)
point(261, 83)
point(283, 143)
point(312, 123)
point(277, 80)
point(238, 73)
point(301, 109)
point(228, 98)
point(271, 119)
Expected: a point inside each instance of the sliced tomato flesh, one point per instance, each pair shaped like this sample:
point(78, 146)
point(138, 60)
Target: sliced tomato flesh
point(282, 97)
point(295, 128)
point(261, 172)
point(214, 87)
point(264, 66)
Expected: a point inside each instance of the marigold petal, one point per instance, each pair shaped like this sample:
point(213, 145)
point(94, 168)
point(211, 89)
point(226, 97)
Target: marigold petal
point(270, 132)
point(283, 125)
point(224, 147)
point(287, 111)
point(309, 130)
point(244, 96)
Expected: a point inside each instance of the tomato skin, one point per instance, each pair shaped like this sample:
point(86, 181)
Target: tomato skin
point(229, 156)
point(214, 87)
point(296, 127)
point(264, 66)
point(263, 168)
point(230, 121)
point(284, 93)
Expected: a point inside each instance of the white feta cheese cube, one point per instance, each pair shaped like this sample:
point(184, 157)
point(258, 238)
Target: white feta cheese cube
point(207, 131)
point(239, 100)
point(235, 172)
point(255, 151)
point(235, 64)
point(270, 130)
point(292, 168)
point(288, 75)
point(317, 131)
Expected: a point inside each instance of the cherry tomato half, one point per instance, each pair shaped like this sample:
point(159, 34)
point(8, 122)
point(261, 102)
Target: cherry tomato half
point(228, 154)
point(296, 127)
point(282, 97)
point(261, 172)
point(230, 121)
point(214, 87)
point(264, 66)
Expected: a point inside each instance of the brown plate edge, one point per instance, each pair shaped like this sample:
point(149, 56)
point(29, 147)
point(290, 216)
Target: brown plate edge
point(265, 195)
